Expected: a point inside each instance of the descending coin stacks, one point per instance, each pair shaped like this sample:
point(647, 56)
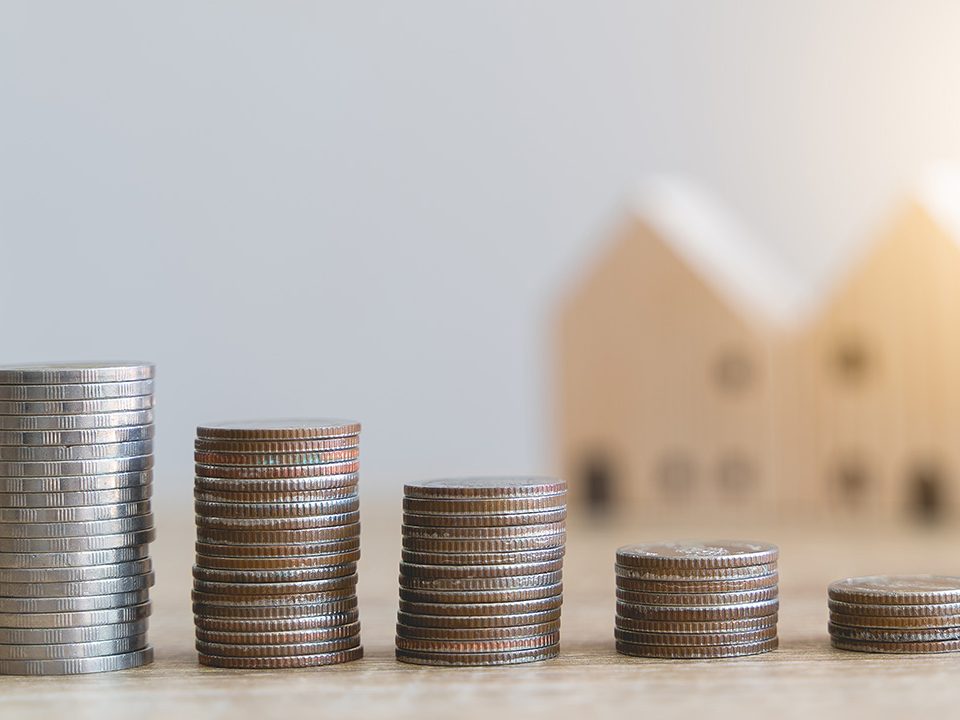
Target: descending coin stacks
point(278, 539)
point(480, 576)
point(696, 599)
point(76, 458)
point(895, 614)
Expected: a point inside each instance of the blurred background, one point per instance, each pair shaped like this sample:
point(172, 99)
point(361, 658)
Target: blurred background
point(378, 210)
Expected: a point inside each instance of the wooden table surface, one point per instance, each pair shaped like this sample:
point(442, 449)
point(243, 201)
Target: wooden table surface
point(805, 677)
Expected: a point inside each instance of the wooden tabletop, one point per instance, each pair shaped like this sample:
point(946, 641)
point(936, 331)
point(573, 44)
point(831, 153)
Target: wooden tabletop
point(804, 678)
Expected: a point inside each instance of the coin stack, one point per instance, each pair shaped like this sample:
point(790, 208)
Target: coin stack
point(696, 599)
point(480, 577)
point(895, 614)
point(76, 458)
point(278, 539)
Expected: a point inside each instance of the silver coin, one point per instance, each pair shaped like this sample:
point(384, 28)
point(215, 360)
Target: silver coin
point(76, 544)
point(76, 391)
point(73, 604)
point(85, 618)
point(83, 573)
point(277, 509)
point(67, 453)
point(55, 560)
point(77, 514)
point(134, 493)
point(65, 423)
point(73, 650)
point(62, 636)
point(78, 666)
point(306, 522)
point(135, 463)
point(75, 483)
point(85, 588)
point(102, 436)
point(75, 373)
point(77, 407)
point(76, 529)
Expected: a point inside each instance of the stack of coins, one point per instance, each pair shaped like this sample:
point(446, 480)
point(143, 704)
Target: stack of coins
point(895, 614)
point(76, 452)
point(696, 599)
point(278, 539)
point(480, 577)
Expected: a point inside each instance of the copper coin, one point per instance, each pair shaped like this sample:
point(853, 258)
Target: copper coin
point(257, 499)
point(894, 610)
point(469, 634)
point(897, 590)
point(289, 637)
point(271, 663)
point(481, 596)
point(519, 557)
point(455, 572)
point(481, 609)
point(870, 621)
point(278, 487)
point(330, 621)
point(706, 586)
point(478, 659)
point(697, 627)
point(278, 564)
point(675, 613)
point(273, 576)
point(942, 646)
point(500, 545)
point(259, 589)
point(300, 522)
point(896, 636)
point(275, 612)
point(477, 646)
point(275, 472)
point(697, 554)
point(350, 503)
point(486, 583)
point(322, 457)
point(284, 429)
point(483, 533)
point(289, 650)
point(248, 599)
point(696, 574)
point(485, 487)
point(694, 639)
point(485, 507)
point(679, 652)
point(277, 550)
point(697, 599)
point(276, 446)
point(484, 521)
point(278, 537)
point(478, 621)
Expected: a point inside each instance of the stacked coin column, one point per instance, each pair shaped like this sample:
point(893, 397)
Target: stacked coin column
point(480, 577)
point(76, 452)
point(696, 599)
point(278, 539)
point(896, 614)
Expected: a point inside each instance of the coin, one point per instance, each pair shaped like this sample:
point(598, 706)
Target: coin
point(894, 610)
point(941, 646)
point(483, 533)
point(75, 574)
point(72, 604)
point(477, 646)
point(73, 373)
point(278, 537)
point(294, 624)
point(78, 666)
point(742, 625)
point(74, 391)
point(236, 499)
point(284, 429)
point(274, 612)
point(694, 639)
point(478, 659)
point(73, 650)
point(277, 446)
point(417, 619)
point(289, 650)
point(76, 407)
point(276, 524)
point(697, 599)
point(419, 573)
point(68, 423)
point(685, 614)
point(697, 554)
point(483, 583)
point(699, 587)
point(83, 588)
point(78, 530)
point(279, 563)
point(81, 634)
point(205, 510)
point(897, 590)
point(481, 596)
point(703, 652)
point(77, 483)
point(273, 576)
point(75, 544)
point(481, 609)
point(485, 487)
point(284, 551)
point(322, 457)
point(81, 618)
point(278, 472)
point(287, 637)
point(46, 438)
point(469, 634)
point(485, 507)
point(135, 493)
point(484, 521)
point(73, 559)
point(696, 574)
point(897, 636)
point(301, 587)
point(499, 545)
point(208, 600)
point(133, 463)
point(333, 658)
point(65, 453)
point(521, 557)
point(76, 514)
point(868, 621)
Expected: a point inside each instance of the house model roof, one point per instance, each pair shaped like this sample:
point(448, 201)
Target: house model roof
point(718, 248)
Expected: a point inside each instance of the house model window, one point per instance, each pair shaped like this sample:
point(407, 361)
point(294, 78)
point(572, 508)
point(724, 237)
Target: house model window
point(733, 371)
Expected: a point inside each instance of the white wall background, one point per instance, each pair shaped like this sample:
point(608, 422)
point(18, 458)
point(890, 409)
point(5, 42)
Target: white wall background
point(369, 208)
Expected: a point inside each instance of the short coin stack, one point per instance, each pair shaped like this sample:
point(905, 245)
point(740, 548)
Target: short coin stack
point(480, 576)
point(76, 452)
point(278, 539)
point(696, 599)
point(896, 614)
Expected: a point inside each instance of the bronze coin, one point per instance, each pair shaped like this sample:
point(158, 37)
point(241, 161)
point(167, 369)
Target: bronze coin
point(258, 589)
point(478, 621)
point(261, 499)
point(484, 583)
point(485, 521)
point(278, 564)
point(288, 637)
point(897, 590)
point(300, 522)
point(276, 472)
point(271, 663)
point(322, 572)
point(500, 545)
point(286, 429)
point(845, 608)
point(694, 640)
point(320, 485)
point(321, 457)
point(941, 646)
point(483, 533)
point(697, 554)
point(478, 659)
point(277, 600)
point(275, 612)
point(454, 572)
point(485, 487)
point(481, 596)
point(696, 574)
point(276, 509)
point(686, 614)
point(701, 586)
point(290, 650)
point(278, 537)
point(481, 609)
point(697, 627)
point(697, 599)
point(490, 633)
point(679, 652)
point(460, 559)
point(892, 622)
point(855, 634)
point(278, 625)
point(485, 507)
point(275, 550)
point(276, 446)
point(477, 646)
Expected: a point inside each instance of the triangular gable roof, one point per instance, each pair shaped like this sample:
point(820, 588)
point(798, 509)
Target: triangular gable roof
point(719, 249)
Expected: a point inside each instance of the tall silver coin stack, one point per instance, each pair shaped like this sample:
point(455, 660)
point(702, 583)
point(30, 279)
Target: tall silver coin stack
point(278, 539)
point(697, 599)
point(896, 614)
point(76, 459)
point(481, 571)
